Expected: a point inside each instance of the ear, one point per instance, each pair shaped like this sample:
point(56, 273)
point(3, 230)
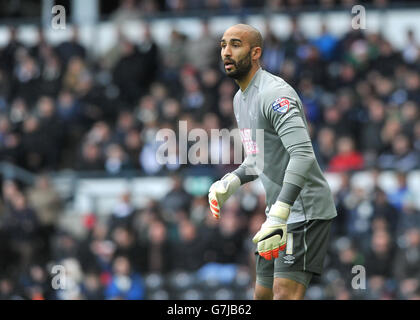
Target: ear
point(256, 53)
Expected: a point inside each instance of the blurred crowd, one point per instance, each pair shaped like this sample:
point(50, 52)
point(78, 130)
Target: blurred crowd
point(140, 8)
point(175, 249)
point(122, 10)
point(59, 109)
point(62, 109)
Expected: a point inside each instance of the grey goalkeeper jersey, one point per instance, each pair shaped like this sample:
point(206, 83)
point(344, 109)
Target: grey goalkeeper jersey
point(274, 131)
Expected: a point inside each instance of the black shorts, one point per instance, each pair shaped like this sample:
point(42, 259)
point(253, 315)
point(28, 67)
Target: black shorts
point(306, 248)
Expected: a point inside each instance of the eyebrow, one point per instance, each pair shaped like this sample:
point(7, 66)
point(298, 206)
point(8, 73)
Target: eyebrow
point(232, 40)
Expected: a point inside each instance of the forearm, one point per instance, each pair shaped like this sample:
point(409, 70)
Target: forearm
point(301, 160)
point(289, 193)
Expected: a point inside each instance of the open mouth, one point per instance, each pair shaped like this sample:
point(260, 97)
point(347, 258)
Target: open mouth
point(229, 65)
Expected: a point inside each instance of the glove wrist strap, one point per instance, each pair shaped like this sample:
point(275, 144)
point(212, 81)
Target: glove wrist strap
point(272, 220)
point(279, 212)
point(234, 182)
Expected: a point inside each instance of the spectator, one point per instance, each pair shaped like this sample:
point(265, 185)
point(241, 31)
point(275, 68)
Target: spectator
point(201, 52)
point(126, 74)
point(4, 129)
point(8, 290)
point(360, 214)
point(125, 122)
point(295, 39)
point(248, 200)
point(127, 10)
point(23, 228)
point(8, 53)
point(65, 246)
point(34, 145)
point(36, 284)
point(51, 130)
point(310, 97)
point(273, 56)
point(157, 248)
point(409, 114)
point(193, 98)
point(391, 128)
point(116, 160)
point(147, 158)
point(100, 134)
point(72, 48)
point(401, 157)
point(132, 145)
point(91, 288)
point(347, 157)
point(74, 276)
point(416, 136)
point(127, 245)
point(345, 256)
point(173, 56)
point(411, 52)
point(150, 57)
point(90, 159)
point(188, 253)
point(75, 76)
point(410, 216)
point(10, 189)
point(68, 108)
point(230, 236)
point(26, 76)
point(125, 283)
point(123, 212)
point(177, 198)
point(412, 86)
point(114, 54)
point(383, 209)
point(324, 146)
point(402, 196)
point(406, 264)
point(326, 43)
point(47, 204)
point(380, 256)
point(51, 75)
point(96, 252)
point(342, 198)
point(388, 57)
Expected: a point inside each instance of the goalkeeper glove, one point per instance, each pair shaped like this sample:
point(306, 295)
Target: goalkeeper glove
point(221, 190)
point(272, 236)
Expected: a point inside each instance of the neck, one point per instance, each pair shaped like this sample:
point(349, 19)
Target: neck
point(244, 82)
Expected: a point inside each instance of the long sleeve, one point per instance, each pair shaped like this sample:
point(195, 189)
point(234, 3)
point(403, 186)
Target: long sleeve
point(246, 171)
point(287, 121)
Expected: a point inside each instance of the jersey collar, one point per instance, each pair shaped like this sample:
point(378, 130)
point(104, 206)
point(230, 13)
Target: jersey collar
point(252, 82)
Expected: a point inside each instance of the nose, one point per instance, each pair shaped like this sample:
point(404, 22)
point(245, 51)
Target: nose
point(226, 52)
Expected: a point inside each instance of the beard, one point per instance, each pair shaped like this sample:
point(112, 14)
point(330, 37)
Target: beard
point(242, 67)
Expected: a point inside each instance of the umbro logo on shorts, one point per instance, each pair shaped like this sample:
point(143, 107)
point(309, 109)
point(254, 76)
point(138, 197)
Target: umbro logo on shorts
point(289, 259)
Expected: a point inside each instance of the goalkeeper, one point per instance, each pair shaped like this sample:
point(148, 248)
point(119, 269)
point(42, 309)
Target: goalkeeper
point(292, 243)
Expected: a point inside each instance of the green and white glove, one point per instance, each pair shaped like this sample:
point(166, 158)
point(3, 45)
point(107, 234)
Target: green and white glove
point(221, 190)
point(273, 233)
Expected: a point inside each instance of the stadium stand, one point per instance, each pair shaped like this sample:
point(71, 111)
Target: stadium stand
point(81, 186)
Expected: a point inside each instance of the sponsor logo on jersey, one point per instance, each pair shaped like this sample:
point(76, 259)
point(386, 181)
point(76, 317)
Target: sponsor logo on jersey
point(250, 145)
point(281, 105)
